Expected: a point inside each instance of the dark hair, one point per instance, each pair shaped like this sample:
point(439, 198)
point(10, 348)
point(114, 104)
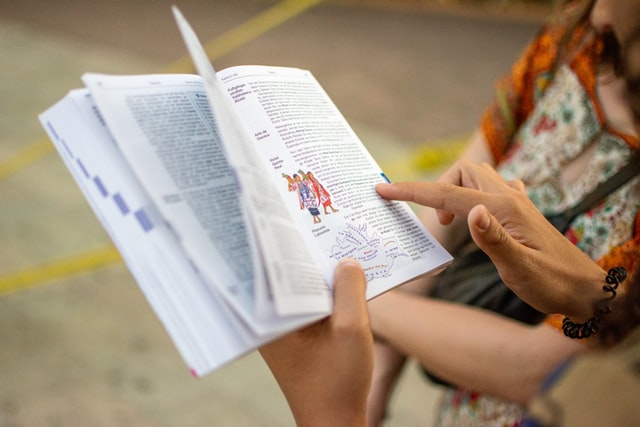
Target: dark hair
point(611, 56)
point(576, 14)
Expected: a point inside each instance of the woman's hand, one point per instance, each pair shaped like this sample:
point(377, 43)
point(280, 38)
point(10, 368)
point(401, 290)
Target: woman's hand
point(325, 369)
point(535, 260)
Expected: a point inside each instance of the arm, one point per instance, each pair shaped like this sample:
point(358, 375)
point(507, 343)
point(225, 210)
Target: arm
point(477, 349)
point(499, 122)
point(389, 362)
point(324, 370)
point(469, 347)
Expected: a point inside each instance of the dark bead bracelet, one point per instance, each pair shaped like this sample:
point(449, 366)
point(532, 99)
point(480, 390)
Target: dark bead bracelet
point(615, 276)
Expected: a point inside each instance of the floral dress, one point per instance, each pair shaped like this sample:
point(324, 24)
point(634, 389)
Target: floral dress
point(545, 115)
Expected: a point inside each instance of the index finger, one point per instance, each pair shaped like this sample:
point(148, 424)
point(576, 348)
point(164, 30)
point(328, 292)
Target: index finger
point(441, 196)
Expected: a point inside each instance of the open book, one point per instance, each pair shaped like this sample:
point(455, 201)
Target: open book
point(231, 198)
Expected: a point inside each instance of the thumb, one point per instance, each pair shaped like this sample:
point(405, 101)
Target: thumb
point(490, 236)
point(349, 288)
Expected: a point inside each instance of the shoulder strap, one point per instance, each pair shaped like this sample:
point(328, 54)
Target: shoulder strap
point(627, 172)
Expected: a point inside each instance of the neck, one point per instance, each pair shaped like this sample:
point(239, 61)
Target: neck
point(613, 98)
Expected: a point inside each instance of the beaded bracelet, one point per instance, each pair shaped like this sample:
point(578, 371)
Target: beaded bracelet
point(615, 276)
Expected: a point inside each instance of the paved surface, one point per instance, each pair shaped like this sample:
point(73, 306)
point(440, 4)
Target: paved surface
point(85, 349)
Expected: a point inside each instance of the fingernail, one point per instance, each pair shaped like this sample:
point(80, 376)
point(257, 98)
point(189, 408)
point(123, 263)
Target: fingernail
point(349, 262)
point(484, 222)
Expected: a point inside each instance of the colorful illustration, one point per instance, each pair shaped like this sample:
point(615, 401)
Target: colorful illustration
point(321, 192)
point(311, 194)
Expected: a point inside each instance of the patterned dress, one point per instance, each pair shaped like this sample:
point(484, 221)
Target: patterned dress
point(546, 114)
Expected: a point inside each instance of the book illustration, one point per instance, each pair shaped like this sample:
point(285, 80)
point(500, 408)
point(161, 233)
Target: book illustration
point(379, 255)
point(323, 195)
point(311, 194)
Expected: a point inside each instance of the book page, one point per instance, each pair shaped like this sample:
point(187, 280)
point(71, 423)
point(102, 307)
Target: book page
point(327, 178)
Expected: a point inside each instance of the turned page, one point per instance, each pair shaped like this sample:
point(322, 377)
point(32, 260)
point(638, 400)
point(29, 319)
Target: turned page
point(297, 284)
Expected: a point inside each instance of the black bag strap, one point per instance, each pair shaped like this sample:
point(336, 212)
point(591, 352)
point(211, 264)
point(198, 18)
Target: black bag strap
point(625, 173)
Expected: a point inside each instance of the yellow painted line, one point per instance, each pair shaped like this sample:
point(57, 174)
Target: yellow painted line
point(246, 32)
point(28, 155)
point(59, 269)
point(436, 154)
point(425, 160)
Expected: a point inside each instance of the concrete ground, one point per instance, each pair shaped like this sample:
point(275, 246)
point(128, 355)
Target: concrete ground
point(79, 346)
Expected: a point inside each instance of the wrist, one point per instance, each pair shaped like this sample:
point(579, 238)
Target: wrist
point(347, 417)
point(615, 276)
point(585, 295)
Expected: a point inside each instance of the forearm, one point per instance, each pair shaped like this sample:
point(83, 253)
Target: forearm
point(471, 348)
